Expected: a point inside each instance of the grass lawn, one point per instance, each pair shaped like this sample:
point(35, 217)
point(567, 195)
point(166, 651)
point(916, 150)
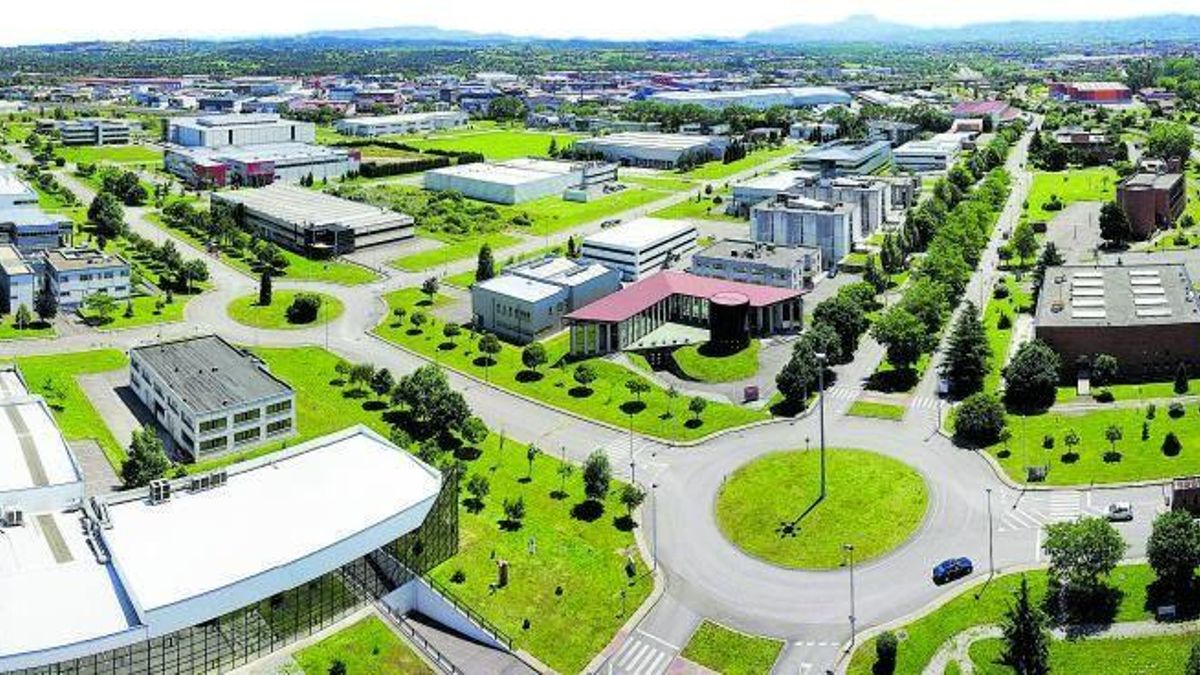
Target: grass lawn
point(768, 507)
point(554, 214)
point(299, 268)
point(451, 252)
point(1101, 656)
point(999, 338)
point(705, 209)
point(246, 310)
point(368, 646)
point(53, 377)
point(731, 652)
point(927, 634)
point(584, 556)
point(37, 329)
point(718, 170)
point(665, 181)
point(114, 154)
point(1095, 184)
point(145, 312)
point(703, 363)
point(495, 144)
point(606, 399)
point(879, 411)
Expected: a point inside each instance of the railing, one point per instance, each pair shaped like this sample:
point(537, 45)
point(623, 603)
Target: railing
point(500, 636)
point(431, 652)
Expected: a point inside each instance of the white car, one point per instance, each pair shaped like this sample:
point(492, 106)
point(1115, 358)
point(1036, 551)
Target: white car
point(1119, 511)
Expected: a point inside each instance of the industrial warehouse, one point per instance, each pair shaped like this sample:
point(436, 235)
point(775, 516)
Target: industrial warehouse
point(314, 223)
point(521, 180)
point(655, 151)
point(402, 124)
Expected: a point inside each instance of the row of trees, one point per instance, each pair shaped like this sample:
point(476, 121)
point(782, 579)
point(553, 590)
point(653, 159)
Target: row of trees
point(219, 226)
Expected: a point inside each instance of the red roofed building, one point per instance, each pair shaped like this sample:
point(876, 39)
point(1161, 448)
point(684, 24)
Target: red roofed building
point(1091, 92)
point(619, 320)
point(997, 112)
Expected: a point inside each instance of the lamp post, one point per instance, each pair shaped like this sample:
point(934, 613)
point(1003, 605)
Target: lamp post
point(632, 462)
point(991, 556)
point(654, 525)
point(821, 413)
point(849, 550)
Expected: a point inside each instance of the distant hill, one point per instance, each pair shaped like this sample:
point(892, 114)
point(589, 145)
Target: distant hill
point(408, 34)
point(1167, 27)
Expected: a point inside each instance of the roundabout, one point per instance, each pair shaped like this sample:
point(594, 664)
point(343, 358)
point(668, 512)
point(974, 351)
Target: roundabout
point(773, 510)
point(276, 316)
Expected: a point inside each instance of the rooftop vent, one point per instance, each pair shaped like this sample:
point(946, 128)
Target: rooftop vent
point(160, 491)
point(1056, 306)
point(13, 517)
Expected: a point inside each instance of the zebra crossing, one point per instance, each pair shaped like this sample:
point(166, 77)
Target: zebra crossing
point(641, 654)
point(1034, 511)
point(643, 452)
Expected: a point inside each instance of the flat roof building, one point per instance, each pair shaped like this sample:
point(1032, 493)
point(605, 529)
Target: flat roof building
point(754, 262)
point(314, 223)
point(847, 157)
point(758, 98)
point(261, 164)
point(792, 220)
point(518, 180)
point(13, 190)
point(932, 154)
point(653, 150)
point(215, 131)
point(1152, 201)
point(211, 396)
point(749, 192)
point(1091, 92)
point(75, 273)
point(89, 131)
point(530, 299)
point(410, 123)
point(1145, 315)
point(18, 281)
point(32, 230)
point(640, 247)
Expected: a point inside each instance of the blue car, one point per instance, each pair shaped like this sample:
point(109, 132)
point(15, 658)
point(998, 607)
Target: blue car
point(949, 570)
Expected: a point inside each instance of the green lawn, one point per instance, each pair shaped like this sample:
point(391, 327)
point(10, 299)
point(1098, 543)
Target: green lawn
point(705, 209)
point(1101, 656)
point(494, 144)
point(730, 652)
point(925, 635)
point(145, 312)
point(606, 400)
point(368, 646)
point(999, 338)
point(701, 362)
point(37, 329)
point(113, 154)
point(554, 214)
point(1095, 184)
point(451, 252)
point(246, 310)
point(664, 181)
point(53, 376)
point(719, 170)
point(879, 411)
point(763, 507)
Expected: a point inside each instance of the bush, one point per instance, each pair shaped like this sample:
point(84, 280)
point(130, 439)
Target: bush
point(1048, 442)
point(886, 646)
point(979, 420)
point(1104, 396)
point(458, 577)
point(1151, 410)
point(1004, 322)
point(304, 308)
point(1000, 291)
point(1171, 445)
point(1175, 410)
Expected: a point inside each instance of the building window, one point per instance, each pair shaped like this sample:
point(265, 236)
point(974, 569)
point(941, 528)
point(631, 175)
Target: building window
point(279, 426)
point(246, 436)
point(247, 416)
point(213, 444)
point(212, 425)
point(280, 407)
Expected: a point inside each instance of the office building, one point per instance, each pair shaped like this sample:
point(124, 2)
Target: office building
point(313, 223)
point(759, 99)
point(258, 165)
point(411, 123)
point(897, 133)
point(655, 151)
point(32, 230)
point(211, 396)
point(519, 180)
point(754, 190)
point(932, 154)
point(641, 246)
point(646, 315)
point(13, 191)
point(531, 299)
point(843, 158)
point(1144, 315)
point(869, 196)
point(89, 131)
point(754, 262)
point(1152, 201)
point(18, 281)
point(215, 131)
point(75, 273)
point(790, 220)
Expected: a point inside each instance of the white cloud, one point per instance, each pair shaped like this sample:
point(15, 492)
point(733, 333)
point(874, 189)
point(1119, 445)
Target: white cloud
point(74, 20)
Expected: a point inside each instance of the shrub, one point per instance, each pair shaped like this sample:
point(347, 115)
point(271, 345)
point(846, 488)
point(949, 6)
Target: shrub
point(1000, 291)
point(885, 652)
point(1104, 396)
point(979, 420)
point(1171, 445)
point(1048, 442)
point(1175, 410)
point(304, 308)
point(1151, 410)
point(1004, 322)
point(458, 577)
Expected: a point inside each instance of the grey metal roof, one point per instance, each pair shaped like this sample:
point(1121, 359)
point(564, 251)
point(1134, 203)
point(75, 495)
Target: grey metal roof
point(210, 374)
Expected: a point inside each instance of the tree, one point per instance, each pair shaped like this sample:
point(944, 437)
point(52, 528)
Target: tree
point(965, 365)
point(632, 497)
point(1082, 551)
point(478, 487)
point(1071, 440)
point(107, 215)
point(872, 275)
point(1024, 241)
point(584, 375)
point(434, 408)
point(696, 406)
point(847, 318)
point(506, 109)
point(1193, 663)
point(485, 265)
point(1112, 434)
point(264, 289)
point(430, 287)
point(1050, 257)
point(597, 474)
point(1031, 378)
point(514, 511)
point(1026, 640)
point(338, 667)
point(1104, 369)
point(799, 376)
point(533, 356)
point(399, 313)
point(102, 305)
point(531, 453)
point(23, 317)
point(979, 420)
point(192, 271)
point(489, 345)
point(886, 646)
point(360, 375)
point(902, 334)
point(1169, 140)
point(1181, 378)
point(474, 430)
point(1173, 550)
point(451, 330)
point(45, 304)
point(1114, 225)
point(637, 387)
point(146, 460)
point(382, 382)
point(304, 308)
point(418, 319)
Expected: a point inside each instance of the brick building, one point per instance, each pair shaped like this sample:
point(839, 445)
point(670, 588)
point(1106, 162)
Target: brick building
point(1152, 200)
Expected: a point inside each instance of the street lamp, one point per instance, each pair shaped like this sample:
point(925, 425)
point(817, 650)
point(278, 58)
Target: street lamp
point(821, 414)
point(991, 549)
point(849, 550)
point(654, 525)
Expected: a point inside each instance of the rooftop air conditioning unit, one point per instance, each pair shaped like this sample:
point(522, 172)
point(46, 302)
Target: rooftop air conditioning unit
point(100, 508)
point(1060, 278)
point(14, 518)
point(1056, 306)
point(160, 491)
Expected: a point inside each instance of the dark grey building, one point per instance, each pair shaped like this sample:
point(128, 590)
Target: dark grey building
point(754, 262)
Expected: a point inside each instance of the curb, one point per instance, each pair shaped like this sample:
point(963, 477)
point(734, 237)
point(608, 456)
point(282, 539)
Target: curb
point(1003, 477)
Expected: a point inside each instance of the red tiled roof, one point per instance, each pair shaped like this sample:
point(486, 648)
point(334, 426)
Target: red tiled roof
point(641, 295)
point(984, 108)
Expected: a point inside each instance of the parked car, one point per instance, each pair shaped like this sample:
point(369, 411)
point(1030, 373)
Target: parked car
point(610, 223)
point(1119, 511)
point(951, 569)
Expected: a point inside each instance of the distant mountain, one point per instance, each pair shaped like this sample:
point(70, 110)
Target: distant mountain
point(408, 34)
point(1168, 27)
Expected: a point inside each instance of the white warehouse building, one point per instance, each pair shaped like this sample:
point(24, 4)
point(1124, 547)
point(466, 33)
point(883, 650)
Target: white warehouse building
point(410, 123)
point(758, 98)
point(518, 180)
point(656, 151)
point(215, 131)
point(530, 299)
point(640, 247)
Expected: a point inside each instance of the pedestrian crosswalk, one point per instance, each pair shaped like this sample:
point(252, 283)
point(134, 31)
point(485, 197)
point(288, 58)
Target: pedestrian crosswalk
point(1033, 511)
point(643, 451)
point(641, 654)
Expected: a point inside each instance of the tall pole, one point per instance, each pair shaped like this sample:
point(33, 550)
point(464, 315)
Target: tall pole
point(821, 414)
point(654, 525)
point(991, 549)
point(849, 549)
point(632, 463)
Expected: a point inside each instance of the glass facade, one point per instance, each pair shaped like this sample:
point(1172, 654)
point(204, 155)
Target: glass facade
point(249, 633)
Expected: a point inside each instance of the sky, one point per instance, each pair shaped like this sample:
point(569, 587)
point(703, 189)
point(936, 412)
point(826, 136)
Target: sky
point(23, 22)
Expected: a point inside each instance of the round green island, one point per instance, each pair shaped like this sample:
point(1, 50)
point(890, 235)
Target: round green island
point(288, 310)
